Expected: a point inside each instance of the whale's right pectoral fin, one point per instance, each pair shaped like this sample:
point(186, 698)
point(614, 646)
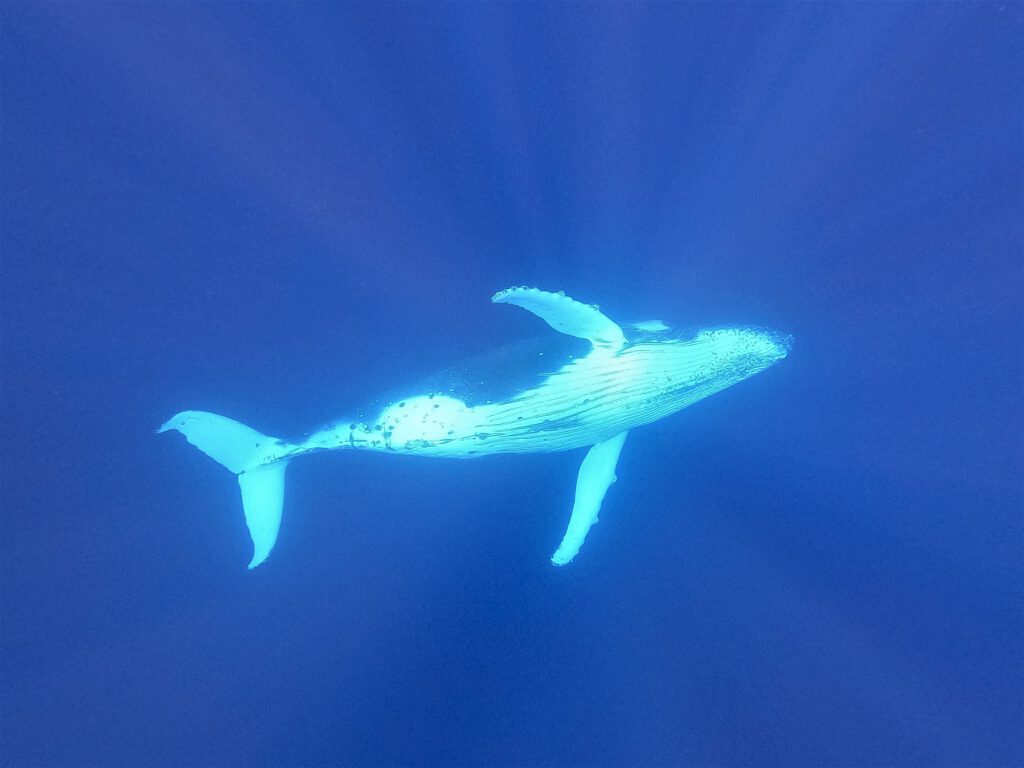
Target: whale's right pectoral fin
point(566, 315)
point(597, 473)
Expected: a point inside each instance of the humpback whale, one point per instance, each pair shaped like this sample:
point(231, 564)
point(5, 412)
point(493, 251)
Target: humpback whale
point(627, 376)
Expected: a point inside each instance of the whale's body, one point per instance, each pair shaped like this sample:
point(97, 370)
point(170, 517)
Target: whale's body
point(625, 379)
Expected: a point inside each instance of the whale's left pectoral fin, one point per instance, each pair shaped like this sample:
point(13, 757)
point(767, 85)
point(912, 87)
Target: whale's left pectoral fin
point(566, 315)
point(597, 473)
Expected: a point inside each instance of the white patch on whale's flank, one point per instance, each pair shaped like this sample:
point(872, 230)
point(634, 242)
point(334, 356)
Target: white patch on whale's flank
point(591, 401)
point(426, 419)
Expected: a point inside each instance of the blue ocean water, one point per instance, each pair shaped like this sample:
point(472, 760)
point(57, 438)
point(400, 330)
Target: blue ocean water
point(279, 212)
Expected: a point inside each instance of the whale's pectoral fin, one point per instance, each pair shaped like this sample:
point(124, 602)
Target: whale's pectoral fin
point(597, 473)
point(565, 315)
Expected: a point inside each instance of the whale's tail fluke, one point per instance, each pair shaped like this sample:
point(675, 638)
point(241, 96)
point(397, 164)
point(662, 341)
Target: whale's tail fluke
point(258, 460)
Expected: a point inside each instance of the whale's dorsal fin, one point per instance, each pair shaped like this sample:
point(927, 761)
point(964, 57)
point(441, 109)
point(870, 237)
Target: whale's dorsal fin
point(565, 315)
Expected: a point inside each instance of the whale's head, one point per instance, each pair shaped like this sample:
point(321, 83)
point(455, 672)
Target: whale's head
point(749, 348)
point(762, 344)
point(715, 358)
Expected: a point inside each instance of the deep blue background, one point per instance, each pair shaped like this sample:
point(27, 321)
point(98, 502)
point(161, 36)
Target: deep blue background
point(277, 211)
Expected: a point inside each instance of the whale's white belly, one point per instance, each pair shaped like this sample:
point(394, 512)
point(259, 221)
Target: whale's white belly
point(583, 403)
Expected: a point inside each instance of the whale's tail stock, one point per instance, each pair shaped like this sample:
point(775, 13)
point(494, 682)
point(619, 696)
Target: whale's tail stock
point(258, 460)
